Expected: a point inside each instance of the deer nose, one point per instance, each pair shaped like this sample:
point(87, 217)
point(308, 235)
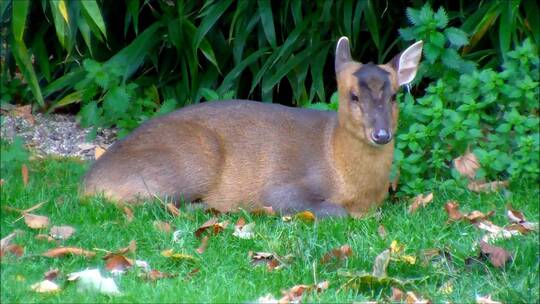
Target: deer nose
point(381, 136)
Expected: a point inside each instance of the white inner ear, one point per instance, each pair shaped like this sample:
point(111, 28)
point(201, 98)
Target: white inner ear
point(408, 63)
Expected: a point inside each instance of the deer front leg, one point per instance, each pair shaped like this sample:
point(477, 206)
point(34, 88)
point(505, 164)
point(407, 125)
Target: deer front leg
point(288, 199)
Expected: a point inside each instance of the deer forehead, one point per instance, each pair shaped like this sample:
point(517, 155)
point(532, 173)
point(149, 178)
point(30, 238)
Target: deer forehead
point(357, 77)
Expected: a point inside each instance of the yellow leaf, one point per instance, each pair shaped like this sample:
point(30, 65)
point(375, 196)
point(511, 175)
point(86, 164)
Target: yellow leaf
point(305, 216)
point(395, 247)
point(98, 152)
point(169, 253)
point(63, 10)
point(408, 259)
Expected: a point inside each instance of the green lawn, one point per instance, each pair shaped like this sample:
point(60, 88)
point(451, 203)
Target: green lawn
point(225, 271)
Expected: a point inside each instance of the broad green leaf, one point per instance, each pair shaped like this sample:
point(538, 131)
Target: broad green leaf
point(73, 97)
point(60, 25)
point(437, 39)
point(372, 23)
point(413, 15)
point(19, 14)
point(84, 29)
point(211, 16)
point(68, 80)
point(283, 70)
point(89, 114)
point(267, 20)
point(116, 102)
point(132, 56)
point(40, 51)
point(507, 25)
point(441, 18)
point(22, 57)
point(209, 95)
point(456, 36)
point(237, 70)
point(92, 10)
point(533, 18)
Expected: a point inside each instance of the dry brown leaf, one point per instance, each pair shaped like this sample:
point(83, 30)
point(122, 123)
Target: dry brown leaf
point(486, 300)
point(131, 248)
point(413, 299)
point(118, 263)
point(382, 231)
point(394, 182)
point(213, 224)
point(36, 221)
point(24, 173)
point(397, 295)
point(52, 274)
point(63, 251)
point(129, 214)
point(497, 255)
point(172, 209)
point(467, 164)
point(322, 286)
point(477, 216)
point(61, 232)
point(163, 226)
point(266, 210)
point(420, 201)
point(244, 231)
point(25, 112)
point(44, 237)
point(294, 294)
point(337, 254)
point(45, 286)
point(1, 182)
point(204, 244)
point(305, 216)
point(98, 152)
point(481, 186)
point(7, 239)
point(519, 222)
point(16, 250)
point(494, 232)
point(452, 208)
point(241, 222)
point(155, 275)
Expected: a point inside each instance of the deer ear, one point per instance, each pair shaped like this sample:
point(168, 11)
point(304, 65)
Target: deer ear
point(343, 53)
point(406, 63)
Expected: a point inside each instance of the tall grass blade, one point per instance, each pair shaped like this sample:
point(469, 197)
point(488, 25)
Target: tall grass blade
point(91, 8)
point(267, 19)
point(22, 57)
point(18, 19)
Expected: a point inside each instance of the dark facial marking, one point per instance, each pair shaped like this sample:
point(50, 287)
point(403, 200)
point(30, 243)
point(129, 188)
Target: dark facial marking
point(374, 81)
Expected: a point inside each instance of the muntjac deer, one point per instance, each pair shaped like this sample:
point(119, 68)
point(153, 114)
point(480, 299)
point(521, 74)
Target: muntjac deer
point(244, 154)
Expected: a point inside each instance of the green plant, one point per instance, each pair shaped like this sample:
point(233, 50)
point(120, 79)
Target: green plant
point(12, 155)
point(493, 113)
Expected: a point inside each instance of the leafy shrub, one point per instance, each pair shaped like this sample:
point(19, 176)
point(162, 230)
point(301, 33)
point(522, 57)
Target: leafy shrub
point(12, 155)
point(495, 113)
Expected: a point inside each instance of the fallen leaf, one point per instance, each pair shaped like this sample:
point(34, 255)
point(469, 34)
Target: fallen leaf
point(241, 222)
point(52, 274)
point(519, 222)
point(245, 231)
point(397, 295)
point(494, 232)
point(142, 264)
point(476, 216)
point(467, 164)
point(63, 251)
point(91, 280)
point(435, 254)
point(204, 244)
point(266, 210)
point(338, 254)
point(409, 259)
point(24, 173)
point(61, 232)
point(169, 253)
point(480, 186)
point(162, 226)
point(497, 255)
point(36, 221)
point(25, 112)
point(118, 263)
point(413, 299)
point(172, 209)
point(381, 231)
point(522, 228)
point(395, 247)
point(7, 239)
point(267, 299)
point(131, 248)
point(294, 294)
point(514, 216)
point(381, 263)
point(272, 261)
point(286, 218)
point(1, 182)
point(305, 216)
point(45, 286)
point(486, 300)
point(211, 223)
point(322, 286)
point(420, 201)
point(447, 287)
point(155, 275)
point(129, 214)
point(98, 152)
point(14, 249)
point(44, 237)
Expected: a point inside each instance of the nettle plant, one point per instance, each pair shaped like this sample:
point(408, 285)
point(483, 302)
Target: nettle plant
point(494, 113)
point(109, 101)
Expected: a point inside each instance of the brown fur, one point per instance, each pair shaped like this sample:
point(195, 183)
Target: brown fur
point(243, 154)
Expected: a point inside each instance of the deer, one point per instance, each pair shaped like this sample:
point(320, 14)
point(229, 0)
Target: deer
point(241, 154)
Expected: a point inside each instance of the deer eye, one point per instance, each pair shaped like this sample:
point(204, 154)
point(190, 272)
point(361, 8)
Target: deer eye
point(354, 97)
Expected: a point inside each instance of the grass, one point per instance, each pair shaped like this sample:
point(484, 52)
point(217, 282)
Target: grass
point(225, 272)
